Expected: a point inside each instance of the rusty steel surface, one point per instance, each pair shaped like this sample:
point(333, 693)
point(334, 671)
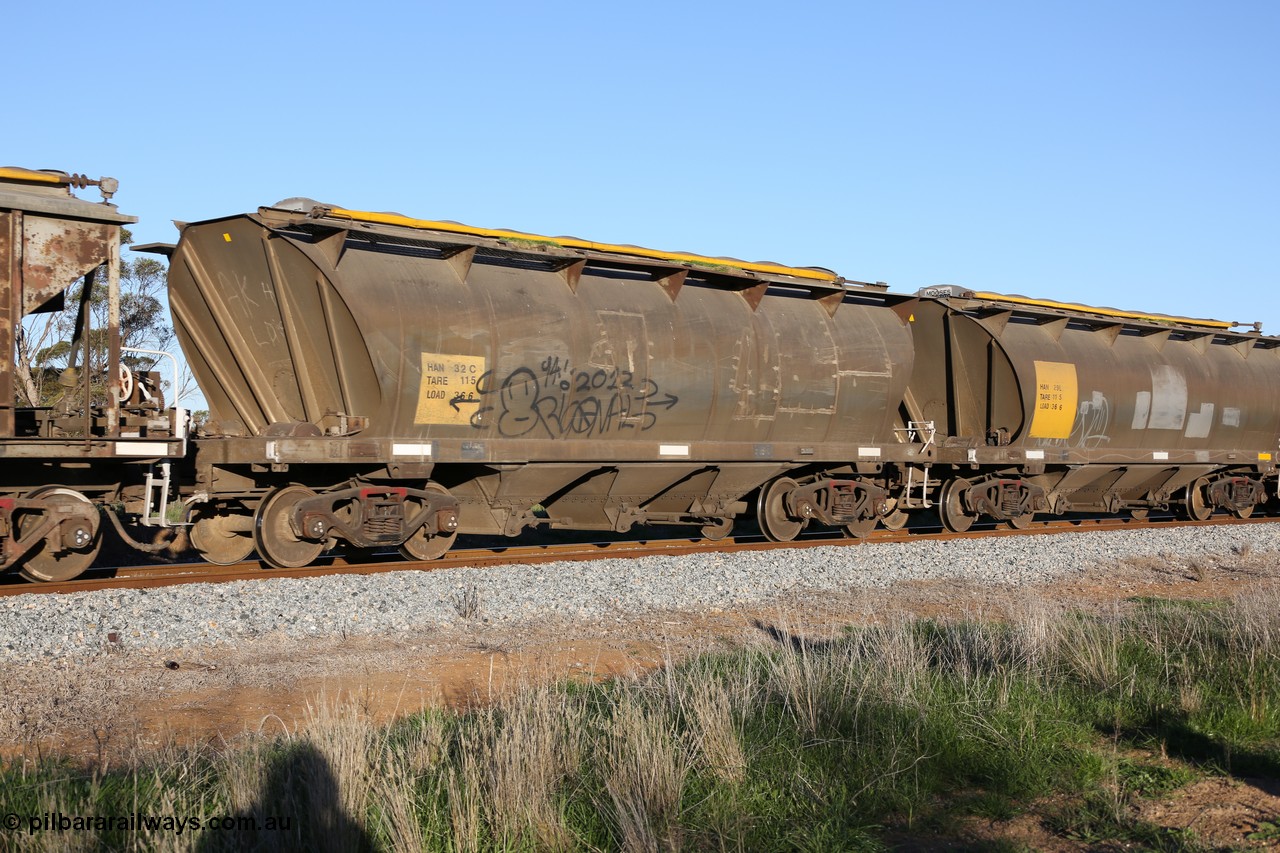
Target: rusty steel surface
point(49, 239)
point(62, 237)
point(10, 301)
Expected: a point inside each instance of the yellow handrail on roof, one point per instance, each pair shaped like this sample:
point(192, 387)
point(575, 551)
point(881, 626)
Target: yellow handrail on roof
point(14, 173)
point(1106, 312)
point(575, 243)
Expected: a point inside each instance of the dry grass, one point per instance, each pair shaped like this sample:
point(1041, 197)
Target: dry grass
point(644, 767)
point(802, 740)
point(523, 750)
point(715, 735)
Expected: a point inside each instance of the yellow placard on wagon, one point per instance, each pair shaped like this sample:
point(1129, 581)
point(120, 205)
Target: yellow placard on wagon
point(448, 392)
point(1056, 399)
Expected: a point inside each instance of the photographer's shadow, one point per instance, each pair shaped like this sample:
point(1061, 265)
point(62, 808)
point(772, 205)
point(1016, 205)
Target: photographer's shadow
point(298, 808)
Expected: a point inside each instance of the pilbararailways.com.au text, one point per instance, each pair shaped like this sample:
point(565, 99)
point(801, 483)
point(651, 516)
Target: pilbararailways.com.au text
point(138, 822)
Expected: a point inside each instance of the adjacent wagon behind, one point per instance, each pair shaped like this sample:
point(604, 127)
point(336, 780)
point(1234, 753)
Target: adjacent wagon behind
point(1052, 407)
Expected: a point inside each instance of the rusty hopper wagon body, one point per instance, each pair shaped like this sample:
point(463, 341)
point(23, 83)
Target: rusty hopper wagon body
point(1045, 407)
point(61, 462)
point(385, 381)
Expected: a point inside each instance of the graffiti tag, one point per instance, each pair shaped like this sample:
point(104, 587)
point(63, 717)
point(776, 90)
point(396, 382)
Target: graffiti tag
point(554, 400)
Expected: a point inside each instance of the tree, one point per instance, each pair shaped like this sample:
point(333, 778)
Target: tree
point(44, 351)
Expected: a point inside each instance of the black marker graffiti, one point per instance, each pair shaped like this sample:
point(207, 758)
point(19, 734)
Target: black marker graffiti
point(556, 401)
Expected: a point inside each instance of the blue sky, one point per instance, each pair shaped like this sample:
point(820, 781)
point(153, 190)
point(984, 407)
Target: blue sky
point(1118, 153)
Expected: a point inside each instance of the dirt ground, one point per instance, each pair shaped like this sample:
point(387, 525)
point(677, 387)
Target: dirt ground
point(130, 703)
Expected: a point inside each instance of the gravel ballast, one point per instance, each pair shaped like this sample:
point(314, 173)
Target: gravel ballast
point(38, 627)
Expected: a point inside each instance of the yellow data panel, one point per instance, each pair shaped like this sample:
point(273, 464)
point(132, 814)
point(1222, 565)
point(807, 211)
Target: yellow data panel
point(448, 392)
point(1056, 398)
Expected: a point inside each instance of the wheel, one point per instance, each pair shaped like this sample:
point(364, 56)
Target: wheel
point(951, 507)
point(861, 528)
point(55, 559)
point(1245, 512)
point(1139, 513)
point(425, 546)
point(221, 538)
point(1020, 522)
point(771, 511)
point(717, 531)
point(126, 384)
point(896, 520)
point(278, 544)
point(1194, 504)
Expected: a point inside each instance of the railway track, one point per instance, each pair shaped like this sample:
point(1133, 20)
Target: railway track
point(172, 574)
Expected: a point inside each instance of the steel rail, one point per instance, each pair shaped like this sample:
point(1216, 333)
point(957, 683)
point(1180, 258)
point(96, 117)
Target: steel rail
point(153, 576)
